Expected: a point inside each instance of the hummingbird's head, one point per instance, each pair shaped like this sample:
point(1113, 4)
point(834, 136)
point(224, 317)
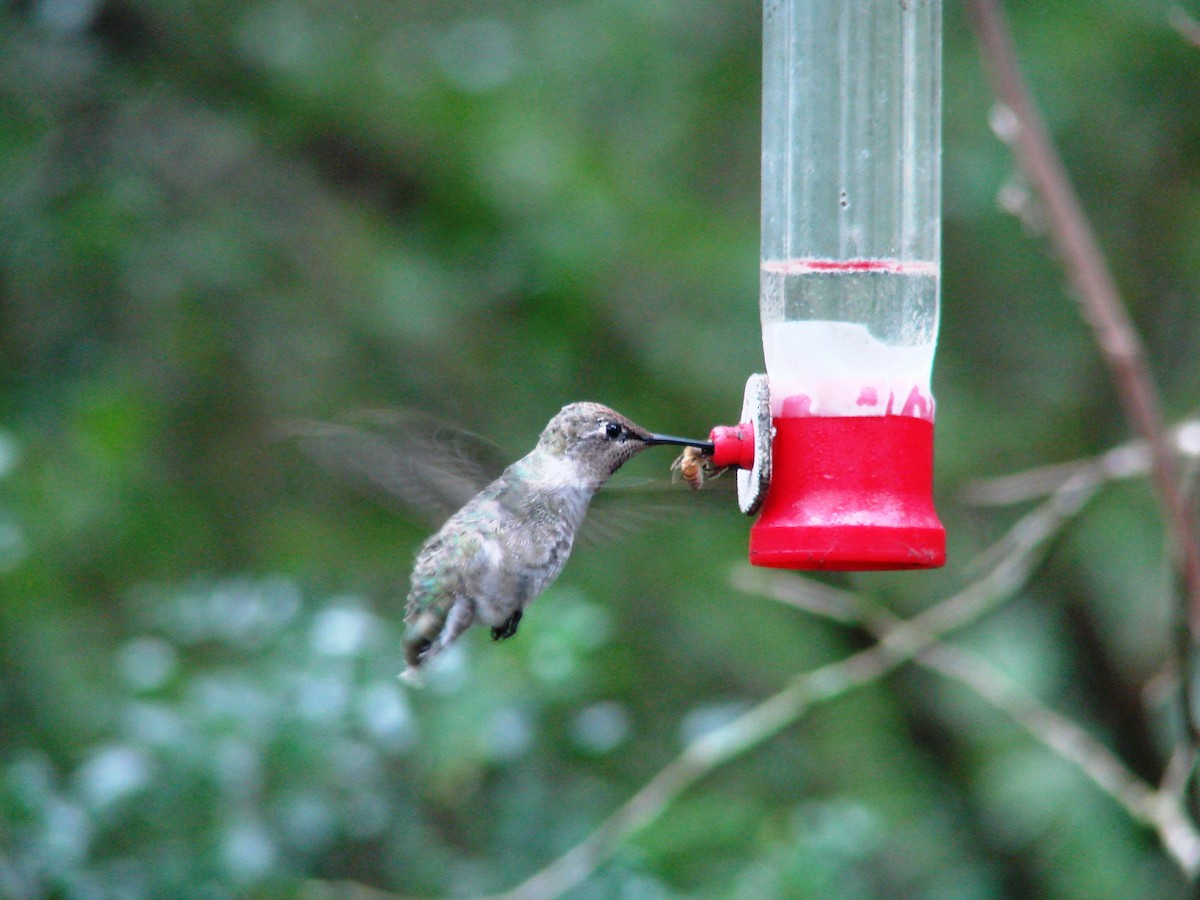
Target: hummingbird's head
point(597, 439)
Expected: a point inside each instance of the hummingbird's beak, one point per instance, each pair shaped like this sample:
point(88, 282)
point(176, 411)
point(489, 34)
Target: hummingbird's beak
point(705, 447)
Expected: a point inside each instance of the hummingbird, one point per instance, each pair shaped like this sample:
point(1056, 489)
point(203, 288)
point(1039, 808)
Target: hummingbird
point(496, 554)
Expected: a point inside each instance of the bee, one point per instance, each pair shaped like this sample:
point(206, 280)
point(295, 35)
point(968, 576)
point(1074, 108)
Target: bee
point(694, 467)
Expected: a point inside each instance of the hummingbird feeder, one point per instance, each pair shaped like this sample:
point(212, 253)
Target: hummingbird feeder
point(835, 444)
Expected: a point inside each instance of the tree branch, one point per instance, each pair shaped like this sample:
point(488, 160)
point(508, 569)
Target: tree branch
point(1128, 460)
point(1093, 284)
point(1184, 24)
point(1160, 809)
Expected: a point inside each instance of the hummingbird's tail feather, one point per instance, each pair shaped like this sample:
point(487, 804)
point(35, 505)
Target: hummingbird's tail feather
point(412, 677)
point(431, 631)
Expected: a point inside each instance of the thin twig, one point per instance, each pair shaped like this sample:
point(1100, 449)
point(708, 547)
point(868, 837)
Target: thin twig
point(1157, 809)
point(1184, 24)
point(1129, 460)
point(1161, 809)
point(1093, 284)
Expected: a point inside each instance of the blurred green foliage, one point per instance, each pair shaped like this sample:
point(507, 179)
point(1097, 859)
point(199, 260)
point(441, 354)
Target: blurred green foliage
point(215, 214)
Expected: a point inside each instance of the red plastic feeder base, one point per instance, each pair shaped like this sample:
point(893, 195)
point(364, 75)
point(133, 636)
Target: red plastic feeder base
point(850, 493)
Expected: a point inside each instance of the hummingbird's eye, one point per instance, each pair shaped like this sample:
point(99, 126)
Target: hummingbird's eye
point(612, 431)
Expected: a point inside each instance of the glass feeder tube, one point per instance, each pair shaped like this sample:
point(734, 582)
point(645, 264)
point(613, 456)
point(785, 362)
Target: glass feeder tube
point(849, 281)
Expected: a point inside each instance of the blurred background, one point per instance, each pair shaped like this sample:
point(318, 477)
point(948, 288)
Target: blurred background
point(217, 214)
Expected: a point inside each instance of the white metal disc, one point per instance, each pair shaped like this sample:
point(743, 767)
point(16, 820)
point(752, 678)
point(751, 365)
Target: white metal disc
point(756, 409)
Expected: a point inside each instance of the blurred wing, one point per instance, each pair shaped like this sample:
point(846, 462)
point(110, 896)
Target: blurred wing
point(625, 506)
point(432, 467)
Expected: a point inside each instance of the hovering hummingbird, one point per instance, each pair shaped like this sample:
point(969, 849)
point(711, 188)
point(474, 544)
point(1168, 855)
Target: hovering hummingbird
point(507, 542)
point(494, 556)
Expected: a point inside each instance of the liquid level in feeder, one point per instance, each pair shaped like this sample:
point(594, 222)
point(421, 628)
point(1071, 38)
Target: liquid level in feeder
point(849, 338)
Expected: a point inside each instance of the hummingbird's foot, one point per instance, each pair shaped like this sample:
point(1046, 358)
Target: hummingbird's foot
point(508, 629)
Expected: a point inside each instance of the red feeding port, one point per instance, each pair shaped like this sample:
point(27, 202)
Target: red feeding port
point(850, 493)
point(733, 445)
